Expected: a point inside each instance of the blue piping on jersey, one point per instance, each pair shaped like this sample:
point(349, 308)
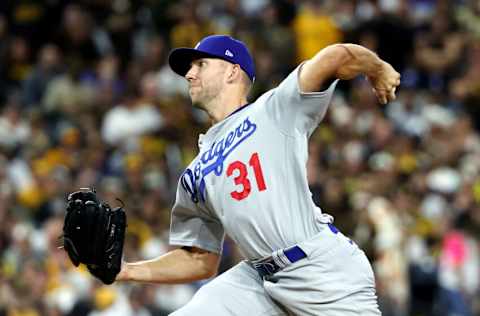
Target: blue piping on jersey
point(239, 109)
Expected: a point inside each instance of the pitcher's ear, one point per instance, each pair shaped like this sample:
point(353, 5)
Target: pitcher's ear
point(234, 72)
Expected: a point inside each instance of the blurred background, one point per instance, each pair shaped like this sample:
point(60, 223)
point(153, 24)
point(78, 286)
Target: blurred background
point(87, 99)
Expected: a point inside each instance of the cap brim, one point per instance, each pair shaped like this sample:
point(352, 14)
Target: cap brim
point(180, 59)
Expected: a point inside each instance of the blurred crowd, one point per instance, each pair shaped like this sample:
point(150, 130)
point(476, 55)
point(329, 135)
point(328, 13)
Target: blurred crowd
point(87, 100)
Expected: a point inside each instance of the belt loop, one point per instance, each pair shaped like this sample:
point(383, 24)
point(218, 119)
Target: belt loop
point(280, 259)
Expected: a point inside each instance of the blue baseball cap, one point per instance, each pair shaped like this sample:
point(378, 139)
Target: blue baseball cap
point(213, 46)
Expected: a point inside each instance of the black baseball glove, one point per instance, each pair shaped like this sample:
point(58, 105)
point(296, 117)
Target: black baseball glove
point(93, 234)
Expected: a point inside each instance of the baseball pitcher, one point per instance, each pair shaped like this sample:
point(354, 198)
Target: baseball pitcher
point(249, 182)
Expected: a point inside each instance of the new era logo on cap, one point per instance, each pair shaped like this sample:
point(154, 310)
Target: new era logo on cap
point(228, 53)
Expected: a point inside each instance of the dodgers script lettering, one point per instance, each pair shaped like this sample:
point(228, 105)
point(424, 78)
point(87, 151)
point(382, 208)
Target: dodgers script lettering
point(212, 160)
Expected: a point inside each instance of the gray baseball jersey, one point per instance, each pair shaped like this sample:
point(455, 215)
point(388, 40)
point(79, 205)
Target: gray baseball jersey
point(249, 179)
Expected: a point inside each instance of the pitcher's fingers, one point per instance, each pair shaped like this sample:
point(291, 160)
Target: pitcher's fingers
point(391, 95)
point(382, 97)
point(378, 94)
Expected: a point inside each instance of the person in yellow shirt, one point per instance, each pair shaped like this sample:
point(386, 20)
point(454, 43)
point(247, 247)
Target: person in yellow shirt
point(314, 29)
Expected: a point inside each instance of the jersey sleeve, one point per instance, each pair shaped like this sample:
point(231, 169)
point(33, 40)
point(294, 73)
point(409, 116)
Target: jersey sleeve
point(294, 111)
point(192, 227)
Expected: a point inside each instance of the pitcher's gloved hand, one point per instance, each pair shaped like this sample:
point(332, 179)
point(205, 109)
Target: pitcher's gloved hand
point(93, 234)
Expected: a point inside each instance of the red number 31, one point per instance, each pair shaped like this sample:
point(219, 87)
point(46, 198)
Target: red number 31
point(242, 179)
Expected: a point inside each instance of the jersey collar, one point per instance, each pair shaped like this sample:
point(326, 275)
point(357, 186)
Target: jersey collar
point(217, 125)
point(238, 110)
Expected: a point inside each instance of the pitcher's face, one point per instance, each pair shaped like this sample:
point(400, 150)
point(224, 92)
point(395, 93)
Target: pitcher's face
point(206, 80)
